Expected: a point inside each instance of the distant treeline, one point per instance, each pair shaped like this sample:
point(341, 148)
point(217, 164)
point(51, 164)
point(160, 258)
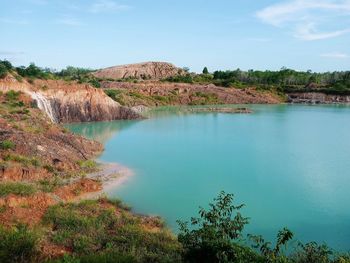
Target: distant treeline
point(284, 80)
point(34, 72)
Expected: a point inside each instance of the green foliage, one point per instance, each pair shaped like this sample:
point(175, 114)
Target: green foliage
point(119, 203)
point(7, 64)
point(49, 185)
point(88, 228)
point(312, 253)
point(5, 67)
point(82, 75)
point(12, 95)
point(22, 159)
point(16, 188)
point(7, 145)
point(106, 257)
point(73, 72)
point(214, 235)
point(272, 254)
point(87, 165)
point(33, 72)
point(285, 80)
point(180, 78)
point(18, 244)
point(112, 93)
point(3, 71)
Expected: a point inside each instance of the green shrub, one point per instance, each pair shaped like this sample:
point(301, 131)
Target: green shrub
point(3, 71)
point(7, 64)
point(180, 79)
point(87, 164)
point(12, 95)
point(112, 93)
point(22, 159)
point(119, 203)
point(7, 145)
point(16, 188)
point(18, 244)
point(49, 185)
point(214, 235)
point(105, 257)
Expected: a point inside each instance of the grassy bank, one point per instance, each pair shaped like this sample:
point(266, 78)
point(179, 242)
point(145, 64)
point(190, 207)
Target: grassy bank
point(105, 230)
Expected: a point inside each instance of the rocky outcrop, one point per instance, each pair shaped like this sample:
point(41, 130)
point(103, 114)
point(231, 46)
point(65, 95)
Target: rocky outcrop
point(65, 102)
point(87, 104)
point(317, 98)
point(147, 70)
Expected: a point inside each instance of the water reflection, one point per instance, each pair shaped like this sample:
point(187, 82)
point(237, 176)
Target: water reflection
point(100, 131)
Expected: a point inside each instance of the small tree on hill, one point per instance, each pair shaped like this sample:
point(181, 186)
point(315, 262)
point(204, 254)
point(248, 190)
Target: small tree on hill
point(205, 70)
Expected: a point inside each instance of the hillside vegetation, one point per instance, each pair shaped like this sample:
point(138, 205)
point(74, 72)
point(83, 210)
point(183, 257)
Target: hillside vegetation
point(284, 80)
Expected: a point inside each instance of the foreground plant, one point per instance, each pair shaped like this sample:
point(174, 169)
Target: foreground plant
point(215, 235)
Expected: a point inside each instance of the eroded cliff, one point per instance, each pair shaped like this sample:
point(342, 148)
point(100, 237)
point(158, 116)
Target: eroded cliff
point(69, 101)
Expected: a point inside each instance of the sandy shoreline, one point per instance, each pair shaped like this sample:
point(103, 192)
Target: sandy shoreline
point(111, 175)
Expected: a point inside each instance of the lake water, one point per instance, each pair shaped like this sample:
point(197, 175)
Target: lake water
point(290, 165)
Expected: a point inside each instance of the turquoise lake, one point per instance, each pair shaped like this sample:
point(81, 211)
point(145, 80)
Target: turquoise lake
point(289, 164)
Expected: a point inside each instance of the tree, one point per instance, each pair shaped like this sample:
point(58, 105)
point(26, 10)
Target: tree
point(3, 71)
point(205, 70)
point(7, 64)
point(212, 236)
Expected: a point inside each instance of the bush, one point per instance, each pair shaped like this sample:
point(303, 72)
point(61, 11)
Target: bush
point(32, 72)
point(16, 188)
point(12, 95)
point(112, 93)
point(22, 159)
point(87, 164)
point(210, 239)
point(3, 71)
point(180, 79)
point(18, 244)
point(7, 145)
point(105, 257)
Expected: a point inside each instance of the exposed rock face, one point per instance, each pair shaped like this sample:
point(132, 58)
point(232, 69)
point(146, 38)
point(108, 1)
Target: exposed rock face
point(88, 104)
point(191, 94)
point(317, 98)
point(20, 173)
point(70, 102)
point(147, 70)
point(50, 144)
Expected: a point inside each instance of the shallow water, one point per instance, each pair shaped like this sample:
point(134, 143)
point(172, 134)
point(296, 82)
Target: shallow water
point(290, 165)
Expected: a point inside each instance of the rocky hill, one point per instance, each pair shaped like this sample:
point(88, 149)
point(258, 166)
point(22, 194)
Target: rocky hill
point(146, 70)
point(69, 101)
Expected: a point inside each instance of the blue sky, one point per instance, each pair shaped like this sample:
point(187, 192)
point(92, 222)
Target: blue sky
point(221, 34)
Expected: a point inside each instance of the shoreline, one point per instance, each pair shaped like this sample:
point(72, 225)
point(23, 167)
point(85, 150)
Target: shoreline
point(111, 176)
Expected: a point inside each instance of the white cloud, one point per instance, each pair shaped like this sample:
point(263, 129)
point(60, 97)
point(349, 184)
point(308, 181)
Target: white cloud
point(305, 17)
point(309, 32)
point(336, 55)
point(107, 6)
